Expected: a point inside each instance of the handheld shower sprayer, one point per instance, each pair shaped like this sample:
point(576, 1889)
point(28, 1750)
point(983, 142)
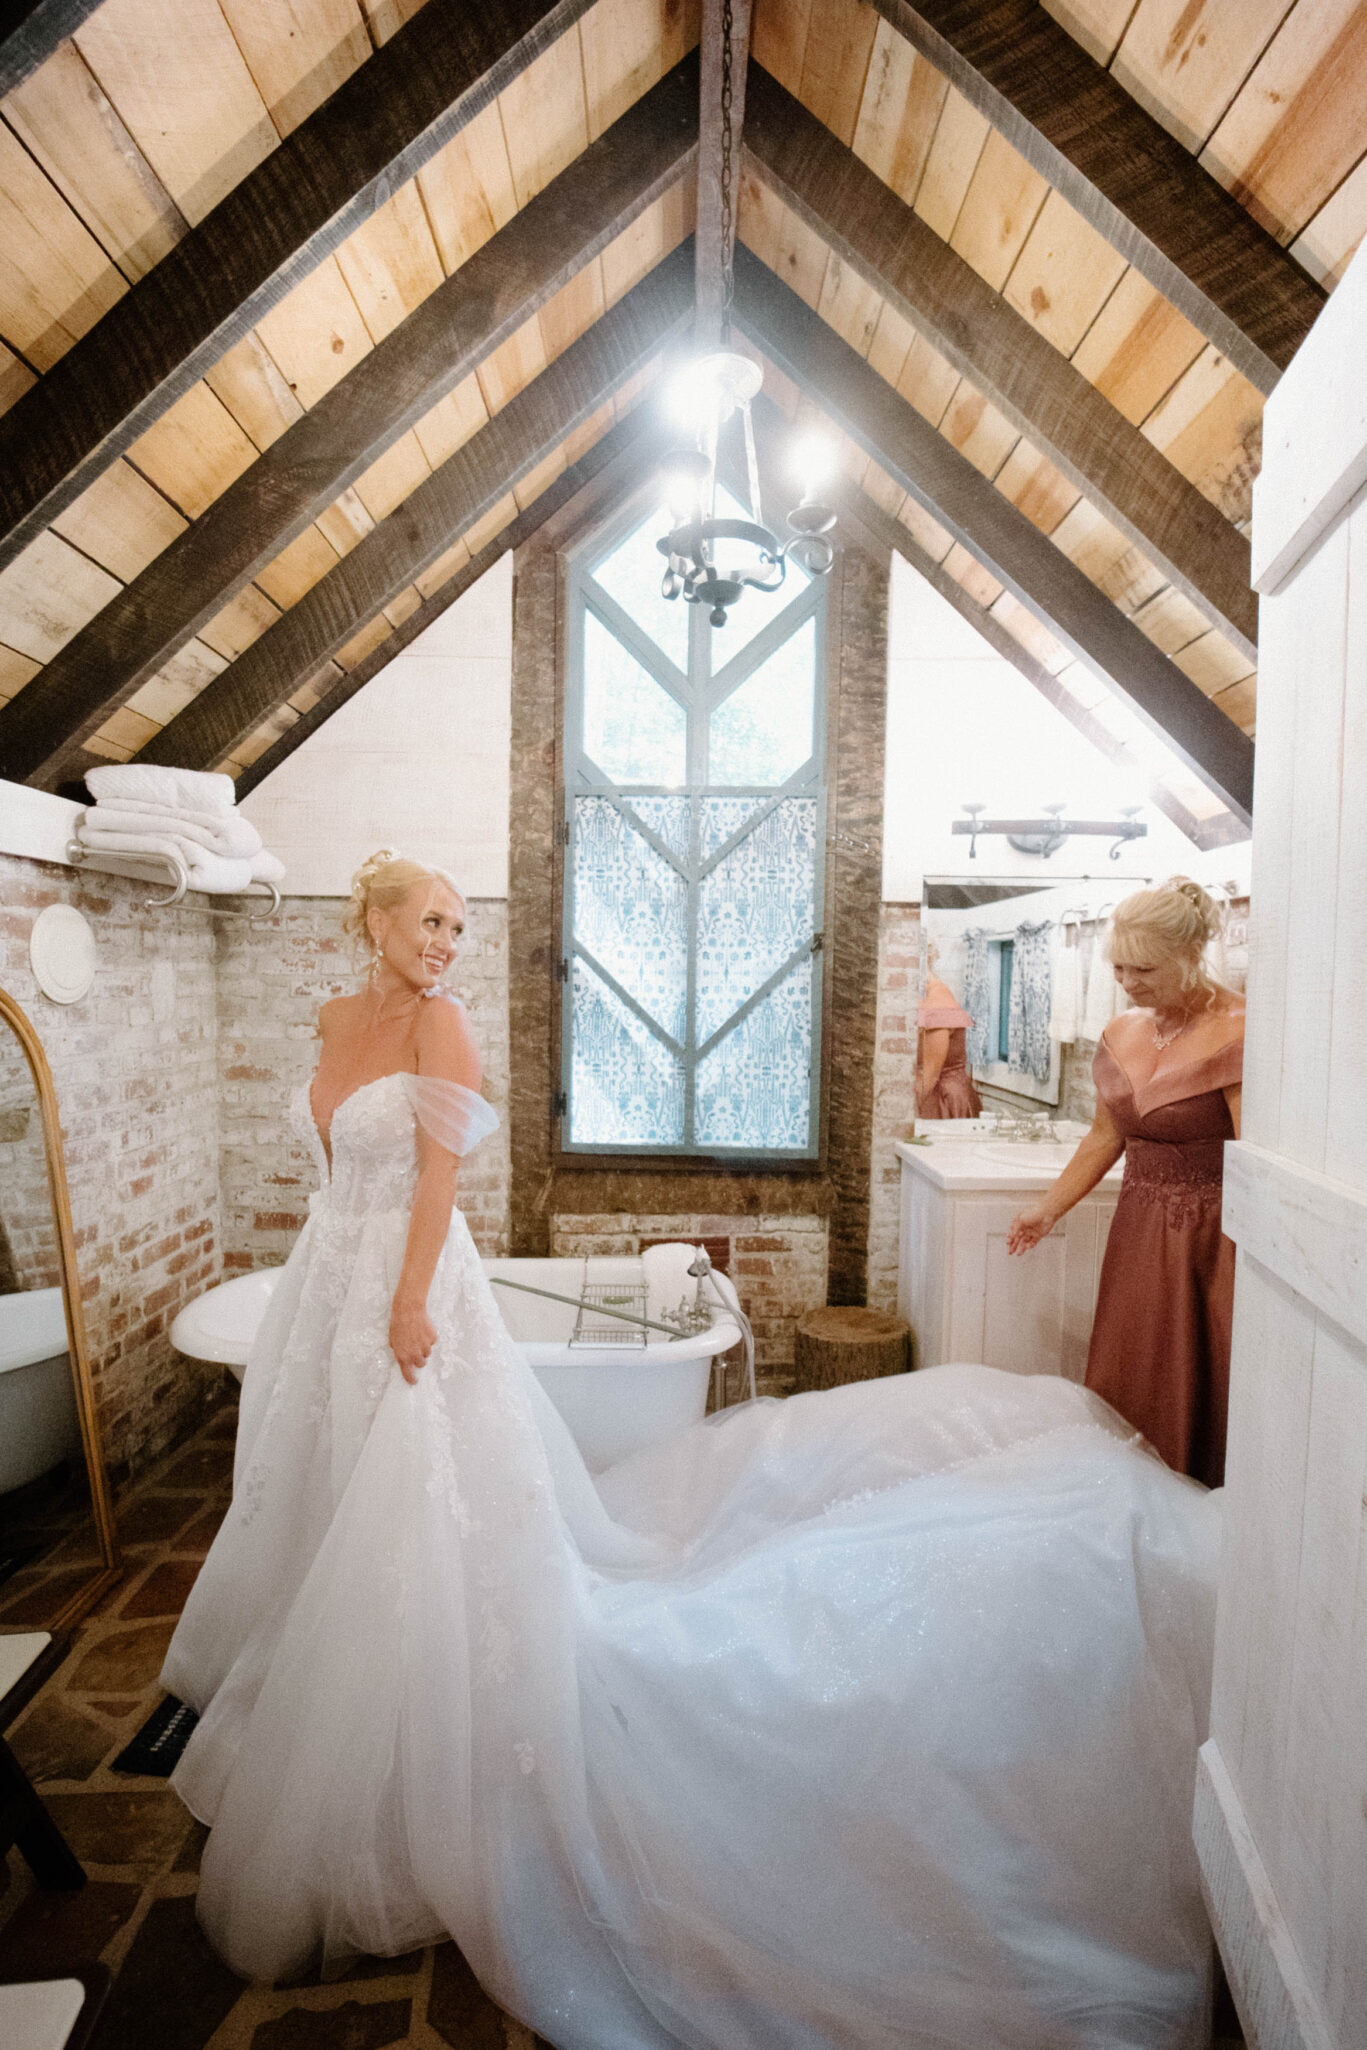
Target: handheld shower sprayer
point(700, 1270)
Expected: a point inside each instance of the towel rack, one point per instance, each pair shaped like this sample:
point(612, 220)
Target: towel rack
point(168, 869)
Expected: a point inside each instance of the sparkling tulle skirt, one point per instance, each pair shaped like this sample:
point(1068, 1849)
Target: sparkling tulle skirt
point(865, 1719)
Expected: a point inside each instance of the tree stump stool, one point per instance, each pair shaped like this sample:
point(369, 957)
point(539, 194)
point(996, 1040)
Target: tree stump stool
point(835, 1345)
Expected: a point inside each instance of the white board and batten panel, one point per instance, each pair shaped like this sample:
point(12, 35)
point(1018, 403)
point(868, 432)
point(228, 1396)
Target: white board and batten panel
point(1281, 1809)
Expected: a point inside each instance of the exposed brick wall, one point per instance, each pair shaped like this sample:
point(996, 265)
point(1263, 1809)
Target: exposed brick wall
point(272, 978)
point(894, 1089)
point(779, 1266)
point(135, 1070)
point(28, 1240)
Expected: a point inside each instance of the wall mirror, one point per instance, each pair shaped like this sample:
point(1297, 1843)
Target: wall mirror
point(58, 1547)
point(1023, 959)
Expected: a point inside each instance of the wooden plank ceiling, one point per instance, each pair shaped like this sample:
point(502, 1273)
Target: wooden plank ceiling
point(233, 492)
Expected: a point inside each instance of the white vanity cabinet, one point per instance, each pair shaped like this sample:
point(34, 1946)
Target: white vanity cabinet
point(964, 1296)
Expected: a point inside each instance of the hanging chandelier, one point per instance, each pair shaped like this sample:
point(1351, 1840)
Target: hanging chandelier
point(710, 559)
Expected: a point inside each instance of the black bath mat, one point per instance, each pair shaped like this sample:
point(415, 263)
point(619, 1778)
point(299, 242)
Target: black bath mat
point(155, 1751)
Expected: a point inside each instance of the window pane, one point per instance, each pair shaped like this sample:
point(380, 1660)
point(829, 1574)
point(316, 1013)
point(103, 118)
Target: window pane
point(763, 731)
point(723, 816)
point(632, 575)
point(754, 609)
point(755, 910)
point(625, 1088)
point(635, 731)
point(755, 1088)
point(668, 819)
point(630, 911)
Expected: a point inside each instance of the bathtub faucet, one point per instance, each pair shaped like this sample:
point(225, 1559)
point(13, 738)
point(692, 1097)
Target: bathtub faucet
point(698, 1271)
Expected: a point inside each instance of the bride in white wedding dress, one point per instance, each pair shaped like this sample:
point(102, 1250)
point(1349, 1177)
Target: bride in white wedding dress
point(861, 1721)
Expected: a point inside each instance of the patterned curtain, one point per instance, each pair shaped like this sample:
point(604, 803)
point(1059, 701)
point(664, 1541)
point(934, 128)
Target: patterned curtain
point(1032, 996)
point(977, 1000)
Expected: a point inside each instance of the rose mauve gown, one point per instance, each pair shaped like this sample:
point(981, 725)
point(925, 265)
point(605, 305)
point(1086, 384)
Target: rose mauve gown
point(954, 1095)
point(1160, 1339)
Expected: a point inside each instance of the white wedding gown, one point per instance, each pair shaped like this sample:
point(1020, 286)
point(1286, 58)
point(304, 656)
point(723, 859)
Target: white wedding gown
point(861, 1720)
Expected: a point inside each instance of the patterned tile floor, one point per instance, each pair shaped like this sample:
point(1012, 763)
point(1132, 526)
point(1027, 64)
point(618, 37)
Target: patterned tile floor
point(141, 1848)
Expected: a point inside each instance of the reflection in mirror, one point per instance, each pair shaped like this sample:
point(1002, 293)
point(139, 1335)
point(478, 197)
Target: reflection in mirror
point(56, 1534)
point(1025, 966)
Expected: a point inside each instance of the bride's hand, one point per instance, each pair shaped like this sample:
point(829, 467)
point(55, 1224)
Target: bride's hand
point(412, 1335)
point(1028, 1227)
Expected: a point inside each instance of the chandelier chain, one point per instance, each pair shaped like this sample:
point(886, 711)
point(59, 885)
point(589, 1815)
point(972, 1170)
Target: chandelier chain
point(727, 227)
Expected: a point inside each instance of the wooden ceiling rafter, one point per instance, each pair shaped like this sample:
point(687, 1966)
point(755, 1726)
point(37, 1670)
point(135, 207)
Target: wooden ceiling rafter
point(878, 236)
point(616, 461)
point(1120, 169)
point(301, 202)
point(864, 406)
point(443, 340)
point(32, 31)
point(467, 486)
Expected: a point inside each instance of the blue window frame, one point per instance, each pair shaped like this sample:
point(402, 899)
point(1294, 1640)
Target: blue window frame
point(694, 874)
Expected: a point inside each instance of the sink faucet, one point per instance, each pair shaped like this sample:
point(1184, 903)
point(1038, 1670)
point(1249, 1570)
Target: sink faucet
point(1020, 1126)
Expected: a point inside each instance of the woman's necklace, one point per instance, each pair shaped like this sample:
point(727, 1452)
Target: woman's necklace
point(1162, 1039)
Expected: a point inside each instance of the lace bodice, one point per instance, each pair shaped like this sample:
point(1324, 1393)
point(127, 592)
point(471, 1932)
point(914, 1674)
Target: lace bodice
point(374, 1138)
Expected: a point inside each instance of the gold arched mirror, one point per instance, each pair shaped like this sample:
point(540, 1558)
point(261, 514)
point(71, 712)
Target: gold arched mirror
point(58, 1547)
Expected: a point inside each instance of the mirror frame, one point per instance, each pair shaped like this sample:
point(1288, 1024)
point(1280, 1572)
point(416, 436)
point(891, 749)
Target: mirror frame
point(110, 1570)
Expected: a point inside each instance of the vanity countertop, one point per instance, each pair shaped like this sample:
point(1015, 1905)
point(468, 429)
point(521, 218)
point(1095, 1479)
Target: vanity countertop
point(974, 1159)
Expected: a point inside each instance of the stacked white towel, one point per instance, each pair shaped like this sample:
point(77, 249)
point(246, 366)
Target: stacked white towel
point(144, 809)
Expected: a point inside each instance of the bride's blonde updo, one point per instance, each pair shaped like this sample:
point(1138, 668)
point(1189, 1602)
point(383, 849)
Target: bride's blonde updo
point(381, 882)
point(1175, 921)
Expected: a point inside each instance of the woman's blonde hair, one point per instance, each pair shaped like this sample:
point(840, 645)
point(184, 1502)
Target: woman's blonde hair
point(381, 882)
point(1175, 921)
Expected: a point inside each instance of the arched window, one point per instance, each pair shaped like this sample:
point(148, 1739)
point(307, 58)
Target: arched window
point(695, 830)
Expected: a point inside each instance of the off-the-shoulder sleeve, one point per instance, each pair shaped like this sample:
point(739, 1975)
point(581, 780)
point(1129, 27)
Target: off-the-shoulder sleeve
point(943, 1017)
point(456, 1117)
point(1224, 1069)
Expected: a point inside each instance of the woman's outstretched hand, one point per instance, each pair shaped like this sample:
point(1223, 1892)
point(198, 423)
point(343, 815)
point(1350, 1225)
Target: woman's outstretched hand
point(1029, 1226)
point(412, 1335)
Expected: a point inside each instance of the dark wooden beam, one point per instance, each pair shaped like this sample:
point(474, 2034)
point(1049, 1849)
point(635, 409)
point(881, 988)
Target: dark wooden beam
point(879, 237)
point(866, 407)
point(617, 459)
point(331, 173)
point(719, 129)
point(1124, 173)
point(438, 345)
point(871, 524)
point(30, 31)
point(467, 486)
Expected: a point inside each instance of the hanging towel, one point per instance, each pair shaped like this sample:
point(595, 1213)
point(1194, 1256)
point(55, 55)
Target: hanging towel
point(977, 1001)
point(162, 789)
point(1029, 1050)
point(223, 832)
point(1066, 1009)
point(1102, 990)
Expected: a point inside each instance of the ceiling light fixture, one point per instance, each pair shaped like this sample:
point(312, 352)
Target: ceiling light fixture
point(709, 560)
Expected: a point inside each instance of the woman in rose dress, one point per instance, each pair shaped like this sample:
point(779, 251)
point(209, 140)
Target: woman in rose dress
point(1168, 1078)
point(944, 1087)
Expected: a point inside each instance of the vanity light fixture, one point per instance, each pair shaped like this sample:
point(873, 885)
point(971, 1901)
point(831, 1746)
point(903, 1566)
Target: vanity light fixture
point(1045, 836)
point(710, 560)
